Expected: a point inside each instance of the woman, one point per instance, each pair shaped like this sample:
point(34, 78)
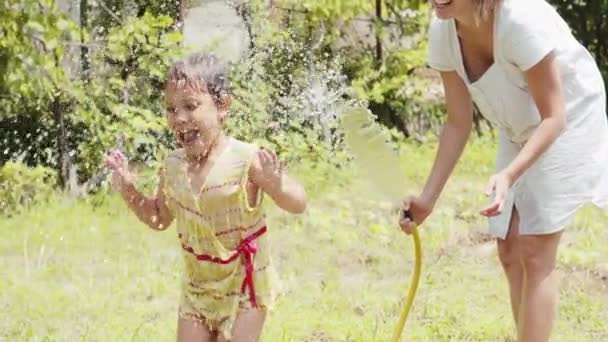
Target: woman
point(518, 61)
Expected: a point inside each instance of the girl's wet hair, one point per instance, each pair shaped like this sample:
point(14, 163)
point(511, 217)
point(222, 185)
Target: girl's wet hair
point(201, 71)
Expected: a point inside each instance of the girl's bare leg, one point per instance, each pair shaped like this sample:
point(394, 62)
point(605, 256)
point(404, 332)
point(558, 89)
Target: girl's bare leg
point(247, 326)
point(189, 330)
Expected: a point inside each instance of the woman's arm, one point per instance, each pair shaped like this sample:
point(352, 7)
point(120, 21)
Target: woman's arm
point(452, 141)
point(454, 135)
point(545, 87)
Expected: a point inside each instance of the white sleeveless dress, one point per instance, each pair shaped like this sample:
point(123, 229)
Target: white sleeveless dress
point(574, 171)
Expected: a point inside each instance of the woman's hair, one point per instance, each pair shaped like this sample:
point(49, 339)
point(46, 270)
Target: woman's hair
point(204, 72)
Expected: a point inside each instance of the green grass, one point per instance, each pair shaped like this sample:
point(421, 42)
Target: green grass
point(73, 271)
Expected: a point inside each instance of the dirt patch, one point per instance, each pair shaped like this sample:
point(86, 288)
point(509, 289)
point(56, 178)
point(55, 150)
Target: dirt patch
point(476, 242)
point(478, 238)
point(318, 336)
point(592, 277)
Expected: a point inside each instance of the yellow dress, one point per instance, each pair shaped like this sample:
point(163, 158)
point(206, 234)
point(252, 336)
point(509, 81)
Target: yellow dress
point(219, 233)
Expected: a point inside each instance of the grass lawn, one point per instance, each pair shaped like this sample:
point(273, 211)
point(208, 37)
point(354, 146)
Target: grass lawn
point(74, 271)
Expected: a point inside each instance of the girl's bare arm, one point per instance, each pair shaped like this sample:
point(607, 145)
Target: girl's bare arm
point(152, 211)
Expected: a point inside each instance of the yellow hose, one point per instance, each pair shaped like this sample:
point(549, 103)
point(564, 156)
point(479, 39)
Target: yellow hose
point(409, 300)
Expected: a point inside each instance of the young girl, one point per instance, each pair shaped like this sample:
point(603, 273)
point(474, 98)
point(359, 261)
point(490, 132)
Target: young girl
point(213, 188)
point(519, 62)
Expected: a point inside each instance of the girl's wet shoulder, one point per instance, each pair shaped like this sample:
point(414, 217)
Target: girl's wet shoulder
point(244, 146)
point(173, 158)
point(177, 154)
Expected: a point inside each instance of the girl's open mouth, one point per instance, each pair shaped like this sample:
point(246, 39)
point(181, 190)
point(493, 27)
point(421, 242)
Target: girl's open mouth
point(190, 136)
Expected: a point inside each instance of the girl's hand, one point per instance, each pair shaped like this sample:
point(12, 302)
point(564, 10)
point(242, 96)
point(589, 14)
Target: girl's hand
point(271, 169)
point(498, 185)
point(268, 173)
point(415, 210)
point(118, 163)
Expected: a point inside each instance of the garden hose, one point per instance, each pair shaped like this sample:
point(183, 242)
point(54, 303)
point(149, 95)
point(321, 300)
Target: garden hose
point(411, 294)
point(368, 144)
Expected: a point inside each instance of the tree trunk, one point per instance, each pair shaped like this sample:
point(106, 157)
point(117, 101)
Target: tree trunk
point(378, 33)
point(274, 11)
point(244, 11)
point(62, 141)
point(84, 50)
point(180, 15)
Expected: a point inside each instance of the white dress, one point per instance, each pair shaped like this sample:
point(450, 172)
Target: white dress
point(574, 170)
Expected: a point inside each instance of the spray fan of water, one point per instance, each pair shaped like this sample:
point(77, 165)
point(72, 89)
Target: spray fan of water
point(368, 143)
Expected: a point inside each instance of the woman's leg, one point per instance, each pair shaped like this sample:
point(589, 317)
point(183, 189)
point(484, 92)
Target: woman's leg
point(192, 330)
point(510, 259)
point(247, 326)
point(540, 291)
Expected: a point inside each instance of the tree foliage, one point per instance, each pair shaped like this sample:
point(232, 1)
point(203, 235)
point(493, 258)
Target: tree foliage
point(382, 48)
point(56, 118)
point(69, 89)
point(589, 23)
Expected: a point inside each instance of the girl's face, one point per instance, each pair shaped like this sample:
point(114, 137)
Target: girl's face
point(195, 118)
point(447, 9)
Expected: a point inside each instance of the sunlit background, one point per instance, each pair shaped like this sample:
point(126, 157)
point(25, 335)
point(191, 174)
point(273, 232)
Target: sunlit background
point(82, 76)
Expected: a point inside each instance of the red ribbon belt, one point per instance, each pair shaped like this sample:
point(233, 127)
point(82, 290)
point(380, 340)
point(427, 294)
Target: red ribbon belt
point(247, 248)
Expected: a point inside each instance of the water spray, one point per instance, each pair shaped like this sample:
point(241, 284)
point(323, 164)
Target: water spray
point(376, 159)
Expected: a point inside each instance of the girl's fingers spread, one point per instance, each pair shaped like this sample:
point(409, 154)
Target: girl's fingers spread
point(267, 157)
point(262, 157)
point(274, 157)
point(118, 159)
point(110, 164)
point(110, 161)
point(272, 161)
